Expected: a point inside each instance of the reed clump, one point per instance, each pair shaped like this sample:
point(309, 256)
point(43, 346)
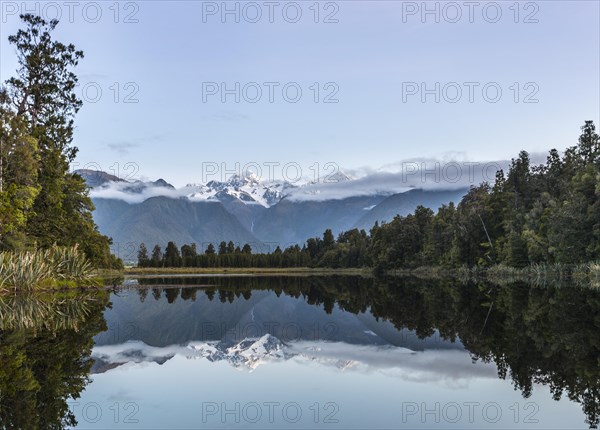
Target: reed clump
point(53, 267)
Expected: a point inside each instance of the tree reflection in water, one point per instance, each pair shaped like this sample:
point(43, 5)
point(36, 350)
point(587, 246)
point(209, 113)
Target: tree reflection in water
point(535, 335)
point(45, 347)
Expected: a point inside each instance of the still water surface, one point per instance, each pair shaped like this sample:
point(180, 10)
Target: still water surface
point(303, 352)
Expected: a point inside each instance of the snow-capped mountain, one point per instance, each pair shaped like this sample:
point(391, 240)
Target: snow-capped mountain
point(248, 189)
point(246, 209)
point(247, 354)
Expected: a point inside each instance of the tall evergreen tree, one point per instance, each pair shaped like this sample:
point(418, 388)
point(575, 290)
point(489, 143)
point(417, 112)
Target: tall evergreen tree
point(42, 96)
point(172, 256)
point(157, 256)
point(230, 247)
point(143, 258)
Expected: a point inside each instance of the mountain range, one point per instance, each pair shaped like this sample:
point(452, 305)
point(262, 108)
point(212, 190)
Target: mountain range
point(263, 328)
point(243, 209)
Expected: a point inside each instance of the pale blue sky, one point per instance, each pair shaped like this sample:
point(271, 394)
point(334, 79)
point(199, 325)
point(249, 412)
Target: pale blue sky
point(368, 54)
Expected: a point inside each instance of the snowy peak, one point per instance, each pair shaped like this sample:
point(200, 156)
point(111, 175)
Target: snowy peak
point(251, 190)
point(336, 177)
point(250, 353)
point(247, 354)
point(248, 189)
point(239, 181)
point(235, 182)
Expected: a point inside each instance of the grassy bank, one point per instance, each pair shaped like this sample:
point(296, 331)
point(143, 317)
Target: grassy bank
point(538, 274)
point(56, 267)
point(291, 271)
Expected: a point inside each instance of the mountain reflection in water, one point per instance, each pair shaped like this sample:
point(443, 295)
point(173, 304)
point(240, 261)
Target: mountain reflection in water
point(405, 329)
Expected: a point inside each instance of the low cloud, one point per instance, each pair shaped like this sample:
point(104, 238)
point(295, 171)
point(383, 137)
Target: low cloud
point(424, 173)
point(426, 366)
point(143, 191)
point(454, 367)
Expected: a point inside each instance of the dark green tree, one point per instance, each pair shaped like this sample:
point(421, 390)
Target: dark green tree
point(328, 239)
point(230, 247)
point(157, 256)
point(143, 259)
point(42, 95)
point(172, 256)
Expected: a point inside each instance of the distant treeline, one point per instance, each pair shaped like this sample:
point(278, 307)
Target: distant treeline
point(547, 213)
point(227, 255)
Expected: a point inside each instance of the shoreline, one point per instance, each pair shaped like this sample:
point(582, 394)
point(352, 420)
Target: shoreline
point(549, 275)
point(245, 271)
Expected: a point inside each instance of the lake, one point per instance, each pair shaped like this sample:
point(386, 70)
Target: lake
point(274, 352)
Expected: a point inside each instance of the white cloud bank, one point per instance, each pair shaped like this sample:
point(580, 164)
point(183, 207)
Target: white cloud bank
point(427, 174)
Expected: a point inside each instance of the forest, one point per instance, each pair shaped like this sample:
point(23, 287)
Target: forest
point(532, 214)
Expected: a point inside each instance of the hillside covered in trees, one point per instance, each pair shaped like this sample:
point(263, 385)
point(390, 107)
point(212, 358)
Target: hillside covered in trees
point(546, 213)
point(41, 203)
